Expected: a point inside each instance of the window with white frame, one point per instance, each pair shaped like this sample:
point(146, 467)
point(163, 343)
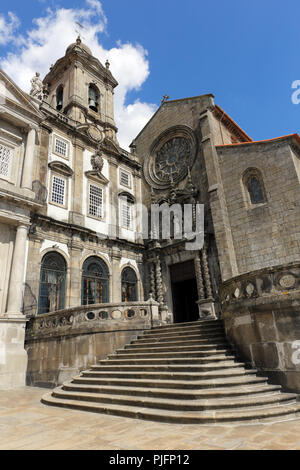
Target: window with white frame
point(126, 206)
point(61, 147)
point(5, 160)
point(58, 190)
point(125, 179)
point(95, 201)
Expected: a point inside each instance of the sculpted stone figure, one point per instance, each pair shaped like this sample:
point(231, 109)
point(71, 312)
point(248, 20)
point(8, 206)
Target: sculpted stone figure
point(97, 161)
point(36, 86)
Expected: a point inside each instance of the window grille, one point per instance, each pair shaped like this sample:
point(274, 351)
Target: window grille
point(95, 201)
point(61, 147)
point(58, 190)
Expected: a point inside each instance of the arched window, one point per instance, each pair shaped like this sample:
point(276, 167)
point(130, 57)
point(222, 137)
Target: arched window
point(59, 97)
point(95, 281)
point(254, 185)
point(129, 285)
point(93, 98)
point(52, 283)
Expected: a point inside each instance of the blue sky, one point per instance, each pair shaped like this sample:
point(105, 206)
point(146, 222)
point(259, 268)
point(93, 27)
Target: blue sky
point(245, 52)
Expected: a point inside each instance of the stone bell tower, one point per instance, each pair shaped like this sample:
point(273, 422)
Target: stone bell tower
point(80, 87)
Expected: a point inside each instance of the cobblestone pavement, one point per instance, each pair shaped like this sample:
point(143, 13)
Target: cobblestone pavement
point(25, 423)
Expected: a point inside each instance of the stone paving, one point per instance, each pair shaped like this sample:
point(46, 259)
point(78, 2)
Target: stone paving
point(27, 424)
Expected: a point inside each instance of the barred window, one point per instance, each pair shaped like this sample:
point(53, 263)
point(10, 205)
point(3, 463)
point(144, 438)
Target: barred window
point(125, 178)
point(95, 201)
point(61, 147)
point(126, 214)
point(58, 190)
point(5, 159)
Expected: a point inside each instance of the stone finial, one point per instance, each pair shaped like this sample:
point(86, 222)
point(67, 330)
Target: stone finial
point(36, 86)
point(164, 99)
point(78, 40)
point(107, 64)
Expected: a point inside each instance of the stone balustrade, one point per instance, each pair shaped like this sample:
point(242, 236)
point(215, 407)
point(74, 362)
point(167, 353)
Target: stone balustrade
point(261, 313)
point(63, 343)
point(276, 282)
point(93, 318)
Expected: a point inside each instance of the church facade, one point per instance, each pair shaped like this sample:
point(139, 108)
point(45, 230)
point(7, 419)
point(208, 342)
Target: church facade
point(80, 268)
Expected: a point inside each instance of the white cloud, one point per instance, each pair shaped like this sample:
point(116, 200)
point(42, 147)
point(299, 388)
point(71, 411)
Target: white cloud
point(8, 27)
point(47, 41)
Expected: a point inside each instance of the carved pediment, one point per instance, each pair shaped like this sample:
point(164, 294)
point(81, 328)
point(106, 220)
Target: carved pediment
point(97, 176)
point(110, 146)
point(61, 167)
point(11, 93)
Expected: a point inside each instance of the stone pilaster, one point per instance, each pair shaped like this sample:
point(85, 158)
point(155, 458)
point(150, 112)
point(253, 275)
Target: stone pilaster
point(113, 199)
point(29, 160)
point(76, 216)
point(115, 294)
point(74, 297)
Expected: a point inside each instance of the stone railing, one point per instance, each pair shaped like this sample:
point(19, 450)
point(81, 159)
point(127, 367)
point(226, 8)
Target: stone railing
point(93, 318)
point(278, 282)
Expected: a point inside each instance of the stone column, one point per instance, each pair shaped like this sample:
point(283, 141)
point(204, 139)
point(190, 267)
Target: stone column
point(199, 278)
point(15, 292)
point(152, 280)
point(163, 309)
point(29, 160)
point(206, 304)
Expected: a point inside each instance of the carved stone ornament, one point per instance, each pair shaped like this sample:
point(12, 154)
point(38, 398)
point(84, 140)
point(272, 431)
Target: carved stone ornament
point(171, 155)
point(95, 134)
point(97, 161)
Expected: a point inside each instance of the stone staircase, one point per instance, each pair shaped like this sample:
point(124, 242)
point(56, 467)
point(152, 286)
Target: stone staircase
point(180, 373)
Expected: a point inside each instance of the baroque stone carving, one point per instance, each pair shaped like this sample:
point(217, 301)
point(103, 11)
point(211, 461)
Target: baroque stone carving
point(97, 161)
point(287, 281)
point(95, 134)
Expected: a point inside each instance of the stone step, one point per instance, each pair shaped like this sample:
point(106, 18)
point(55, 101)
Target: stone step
point(167, 367)
point(167, 348)
point(182, 394)
point(180, 339)
point(175, 384)
point(182, 326)
point(188, 417)
point(230, 372)
point(115, 360)
point(183, 342)
point(122, 354)
point(186, 332)
point(175, 404)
